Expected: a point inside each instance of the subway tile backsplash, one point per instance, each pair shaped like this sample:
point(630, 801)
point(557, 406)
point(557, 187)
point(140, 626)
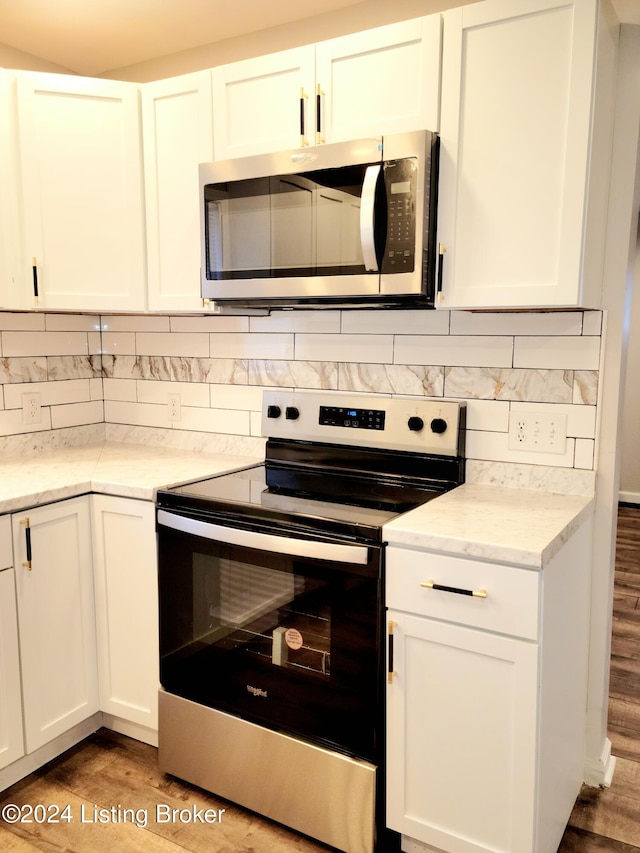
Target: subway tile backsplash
point(116, 372)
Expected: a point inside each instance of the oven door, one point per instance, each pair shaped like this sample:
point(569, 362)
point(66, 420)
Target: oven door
point(281, 631)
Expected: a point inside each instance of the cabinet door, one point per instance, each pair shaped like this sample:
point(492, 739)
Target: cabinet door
point(54, 584)
point(6, 549)
point(11, 735)
point(178, 134)
point(81, 168)
point(12, 290)
point(124, 547)
point(461, 736)
point(264, 104)
point(385, 80)
point(515, 142)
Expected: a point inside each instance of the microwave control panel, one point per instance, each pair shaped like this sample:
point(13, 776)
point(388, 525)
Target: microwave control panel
point(400, 181)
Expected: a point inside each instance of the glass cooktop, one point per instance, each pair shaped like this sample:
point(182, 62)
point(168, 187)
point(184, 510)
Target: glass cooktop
point(315, 499)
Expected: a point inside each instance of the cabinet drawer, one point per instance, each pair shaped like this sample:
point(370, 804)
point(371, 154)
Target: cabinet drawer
point(6, 555)
point(512, 595)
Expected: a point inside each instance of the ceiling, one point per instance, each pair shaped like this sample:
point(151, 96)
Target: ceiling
point(91, 37)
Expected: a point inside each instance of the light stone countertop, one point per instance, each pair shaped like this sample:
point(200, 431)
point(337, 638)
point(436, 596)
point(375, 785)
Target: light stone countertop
point(525, 528)
point(125, 470)
point(517, 526)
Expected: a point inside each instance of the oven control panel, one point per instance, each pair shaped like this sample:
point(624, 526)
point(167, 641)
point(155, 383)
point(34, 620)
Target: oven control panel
point(351, 418)
point(393, 423)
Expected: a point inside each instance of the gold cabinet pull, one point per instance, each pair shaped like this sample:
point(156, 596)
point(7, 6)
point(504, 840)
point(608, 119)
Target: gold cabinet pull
point(27, 530)
point(476, 593)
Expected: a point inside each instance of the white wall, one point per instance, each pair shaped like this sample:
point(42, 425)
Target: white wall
point(630, 450)
point(10, 57)
point(361, 16)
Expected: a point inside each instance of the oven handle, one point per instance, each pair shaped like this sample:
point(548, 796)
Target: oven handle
point(266, 541)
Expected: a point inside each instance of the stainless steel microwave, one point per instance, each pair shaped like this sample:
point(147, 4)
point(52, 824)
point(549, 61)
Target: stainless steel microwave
point(349, 223)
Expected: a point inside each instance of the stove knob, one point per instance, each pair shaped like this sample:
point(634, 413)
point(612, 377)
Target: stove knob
point(438, 425)
point(273, 411)
point(415, 424)
point(291, 413)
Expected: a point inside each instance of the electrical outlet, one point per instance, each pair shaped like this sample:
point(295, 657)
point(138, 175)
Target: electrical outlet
point(173, 405)
point(31, 412)
point(538, 432)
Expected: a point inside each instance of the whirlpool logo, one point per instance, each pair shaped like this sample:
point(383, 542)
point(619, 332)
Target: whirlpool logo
point(256, 691)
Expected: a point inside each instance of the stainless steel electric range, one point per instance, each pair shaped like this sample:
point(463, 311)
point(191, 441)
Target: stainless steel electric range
point(271, 589)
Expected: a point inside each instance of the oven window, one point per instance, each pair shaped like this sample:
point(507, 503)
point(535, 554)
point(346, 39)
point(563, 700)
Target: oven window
point(280, 618)
point(288, 225)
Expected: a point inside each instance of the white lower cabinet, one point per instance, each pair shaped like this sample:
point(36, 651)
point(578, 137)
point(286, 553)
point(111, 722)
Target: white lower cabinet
point(486, 699)
point(78, 623)
point(11, 734)
point(464, 701)
point(54, 593)
point(124, 551)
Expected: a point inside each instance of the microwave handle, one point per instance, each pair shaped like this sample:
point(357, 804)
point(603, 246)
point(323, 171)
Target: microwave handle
point(265, 541)
point(367, 218)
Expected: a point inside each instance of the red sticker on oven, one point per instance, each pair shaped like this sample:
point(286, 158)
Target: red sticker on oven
point(293, 638)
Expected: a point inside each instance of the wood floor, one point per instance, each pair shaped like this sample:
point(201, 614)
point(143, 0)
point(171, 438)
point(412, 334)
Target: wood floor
point(609, 819)
point(121, 776)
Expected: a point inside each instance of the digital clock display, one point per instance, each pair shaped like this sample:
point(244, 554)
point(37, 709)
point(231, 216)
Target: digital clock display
point(341, 416)
point(400, 187)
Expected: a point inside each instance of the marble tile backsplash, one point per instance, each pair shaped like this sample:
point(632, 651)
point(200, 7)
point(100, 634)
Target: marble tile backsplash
point(117, 371)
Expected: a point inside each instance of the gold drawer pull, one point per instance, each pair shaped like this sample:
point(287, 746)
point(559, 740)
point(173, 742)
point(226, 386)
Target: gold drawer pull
point(390, 670)
point(476, 593)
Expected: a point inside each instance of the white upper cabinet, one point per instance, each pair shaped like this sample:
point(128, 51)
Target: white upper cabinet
point(178, 134)
point(521, 217)
point(264, 104)
point(12, 294)
point(81, 168)
point(383, 80)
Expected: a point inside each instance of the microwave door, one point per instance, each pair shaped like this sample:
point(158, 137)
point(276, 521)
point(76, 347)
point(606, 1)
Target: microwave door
point(289, 229)
point(292, 225)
